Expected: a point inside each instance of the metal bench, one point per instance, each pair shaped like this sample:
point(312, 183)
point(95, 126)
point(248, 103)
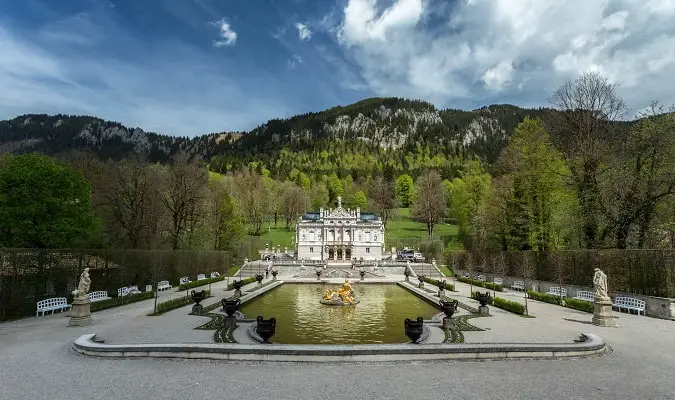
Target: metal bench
point(184, 280)
point(481, 278)
point(163, 285)
point(98, 296)
point(122, 291)
point(56, 303)
point(630, 303)
point(518, 285)
point(585, 295)
point(498, 281)
point(201, 277)
point(214, 274)
point(557, 291)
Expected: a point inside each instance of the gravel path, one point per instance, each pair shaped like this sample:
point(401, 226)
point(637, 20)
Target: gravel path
point(37, 362)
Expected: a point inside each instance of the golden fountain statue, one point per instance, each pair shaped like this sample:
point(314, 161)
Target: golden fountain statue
point(344, 296)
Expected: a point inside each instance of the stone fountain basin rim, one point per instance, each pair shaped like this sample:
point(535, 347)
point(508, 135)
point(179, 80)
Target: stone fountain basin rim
point(589, 345)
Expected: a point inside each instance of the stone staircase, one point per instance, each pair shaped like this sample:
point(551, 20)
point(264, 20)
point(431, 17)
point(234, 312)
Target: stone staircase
point(425, 269)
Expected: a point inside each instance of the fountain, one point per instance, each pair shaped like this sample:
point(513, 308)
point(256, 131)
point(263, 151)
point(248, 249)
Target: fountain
point(342, 297)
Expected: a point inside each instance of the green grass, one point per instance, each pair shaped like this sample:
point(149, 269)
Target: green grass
point(232, 270)
point(445, 270)
point(401, 231)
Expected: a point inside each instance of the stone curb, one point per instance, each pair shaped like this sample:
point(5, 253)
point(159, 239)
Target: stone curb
point(588, 345)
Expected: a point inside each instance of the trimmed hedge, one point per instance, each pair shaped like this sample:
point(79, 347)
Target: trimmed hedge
point(448, 286)
point(245, 280)
point(175, 303)
point(580, 305)
point(545, 297)
point(120, 301)
point(486, 285)
point(203, 282)
point(474, 295)
point(510, 306)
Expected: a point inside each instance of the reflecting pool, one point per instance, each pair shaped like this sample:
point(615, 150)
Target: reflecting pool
point(302, 319)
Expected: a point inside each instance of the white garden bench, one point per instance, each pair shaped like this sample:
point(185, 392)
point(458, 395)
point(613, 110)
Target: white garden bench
point(214, 274)
point(630, 303)
point(184, 280)
point(56, 303)
point(557, 291)
point(518, 285)
point(585, 295)
point(498, 281)
point(133, 289)
point(481, 278)
point(163, 285)
point(201, 277)
point(122, 291)
point(98, 296)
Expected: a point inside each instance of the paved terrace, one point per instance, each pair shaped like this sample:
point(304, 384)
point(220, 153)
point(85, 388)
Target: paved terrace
point(38, 362)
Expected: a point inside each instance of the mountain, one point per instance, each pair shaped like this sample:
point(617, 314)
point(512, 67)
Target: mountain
point(380, 129)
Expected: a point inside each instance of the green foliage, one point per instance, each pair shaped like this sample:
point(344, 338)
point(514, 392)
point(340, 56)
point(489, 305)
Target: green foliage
point(445, 270)
point(545, 297)
point(487, 285)
point(43, 204)
point(318, 196)
point(360, 200)
point(120, 301)
point(431, 249)
point(508, 305)
point(174, 303)
point(194, 284)
point(448, 286)
point(469, 196)
point(580, 305)
point(335, 188)
point(404, 190)
point(245, 281)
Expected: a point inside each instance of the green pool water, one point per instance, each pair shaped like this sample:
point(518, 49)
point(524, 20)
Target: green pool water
point(302, 319)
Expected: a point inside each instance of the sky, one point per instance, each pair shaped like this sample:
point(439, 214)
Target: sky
point(190, 67)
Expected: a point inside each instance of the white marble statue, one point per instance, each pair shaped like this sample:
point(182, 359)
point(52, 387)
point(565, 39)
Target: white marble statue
point(600, 284)
point(83, 287)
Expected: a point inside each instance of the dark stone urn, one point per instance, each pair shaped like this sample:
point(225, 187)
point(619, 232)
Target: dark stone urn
point(274, 274)
point(230, 306)
point(483, 298)
point(449, 307)
point(441, 284)
point(406, 272)
point(421, 279)
point(197, 297)
point(237, 287)
point(362, 273)
point(265, 328)
point(414, 329)
point(259, 278)
point(318, 274)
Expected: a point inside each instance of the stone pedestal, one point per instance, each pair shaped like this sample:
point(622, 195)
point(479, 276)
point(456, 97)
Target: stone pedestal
point(231, 322)
point(80, 313)
point(421, 286)
point(483, 310)
point(441, 293)
point(407, 279)
point(602, 312)
point(197, 309)
point(260, 284)
point(448, 323)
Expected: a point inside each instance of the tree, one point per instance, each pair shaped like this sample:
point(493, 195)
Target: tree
point(335, 187)
point(43, 204)
point(360, 200)
point(430, 204)
point(318, 196)
point(252, 198)
point(226, 224)
point(274, 192)
point(183, 197)
point(404, 190)
point(294, 202)
point(582, 129)
point(383, 195)
point(469, 196)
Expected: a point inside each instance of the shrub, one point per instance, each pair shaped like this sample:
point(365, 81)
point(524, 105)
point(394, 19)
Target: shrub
point(474, 295)
point(203, 282)
point(486, 285)
point(545, 297)
point(119, 301)
point(174, 303)
point(580, 305)
point(431, 249)
point(510, 306)
point(448, 286)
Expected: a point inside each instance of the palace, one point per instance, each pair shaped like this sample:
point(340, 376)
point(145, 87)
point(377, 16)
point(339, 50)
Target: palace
point(339, 236)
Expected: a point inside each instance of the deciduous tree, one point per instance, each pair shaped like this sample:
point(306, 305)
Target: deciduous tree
point(430, 204)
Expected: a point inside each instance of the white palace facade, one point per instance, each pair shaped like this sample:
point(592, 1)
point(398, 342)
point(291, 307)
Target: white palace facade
point(339, 236)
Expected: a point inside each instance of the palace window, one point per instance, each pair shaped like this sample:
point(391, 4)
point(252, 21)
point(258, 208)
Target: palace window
point(311, 249)
point(367, 249)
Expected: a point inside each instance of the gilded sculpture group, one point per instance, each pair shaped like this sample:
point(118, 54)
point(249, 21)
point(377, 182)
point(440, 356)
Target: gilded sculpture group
point(343, 296)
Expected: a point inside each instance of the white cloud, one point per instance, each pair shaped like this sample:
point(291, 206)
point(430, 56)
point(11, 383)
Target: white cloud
point(488, 50)
point(304, 33)
point(294, 62)
point(228, 37)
